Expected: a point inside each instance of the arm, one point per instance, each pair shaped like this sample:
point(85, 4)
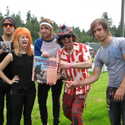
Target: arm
point(37, 47)
point(3, 65)
point(120, 93)
point(80, 65)
point(86, 64)
point(91, 79)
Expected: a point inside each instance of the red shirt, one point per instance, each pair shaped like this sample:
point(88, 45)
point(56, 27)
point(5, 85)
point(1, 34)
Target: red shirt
point(79, 53)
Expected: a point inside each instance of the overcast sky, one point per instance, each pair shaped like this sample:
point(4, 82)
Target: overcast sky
point(77, 13)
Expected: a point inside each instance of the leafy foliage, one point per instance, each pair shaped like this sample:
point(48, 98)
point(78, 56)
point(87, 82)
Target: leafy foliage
point(32, 24)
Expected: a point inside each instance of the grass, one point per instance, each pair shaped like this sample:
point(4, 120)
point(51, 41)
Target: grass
point(95, 112)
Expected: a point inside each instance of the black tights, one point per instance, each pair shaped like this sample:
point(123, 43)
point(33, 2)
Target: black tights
point(42, 100)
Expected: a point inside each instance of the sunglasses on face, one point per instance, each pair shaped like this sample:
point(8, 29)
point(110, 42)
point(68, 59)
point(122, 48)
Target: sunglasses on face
point(67, 40)
point(66, 36)
point(8, 24)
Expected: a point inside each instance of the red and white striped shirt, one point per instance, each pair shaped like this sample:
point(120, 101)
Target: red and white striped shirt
point(79, 53)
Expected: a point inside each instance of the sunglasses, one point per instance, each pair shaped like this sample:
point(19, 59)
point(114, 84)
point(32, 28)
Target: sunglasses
point(8, 24)
point(65, 36)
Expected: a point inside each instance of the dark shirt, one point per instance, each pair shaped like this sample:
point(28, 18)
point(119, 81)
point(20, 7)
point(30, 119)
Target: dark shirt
point(1, 38)
point(22, 67)
point(7, 69)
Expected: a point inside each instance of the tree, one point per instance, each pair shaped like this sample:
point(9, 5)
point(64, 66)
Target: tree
point(7, 12)
point(1, 18)
point(28, 16)
point(106, 17)
point(33, 25)
point(114, 30)
point(19, 21)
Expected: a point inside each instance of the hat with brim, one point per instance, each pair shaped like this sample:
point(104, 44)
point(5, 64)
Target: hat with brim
point(10, 19)
point(65, 32)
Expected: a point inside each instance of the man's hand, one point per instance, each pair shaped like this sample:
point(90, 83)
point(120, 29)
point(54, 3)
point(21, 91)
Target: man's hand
point(119, 94)
point(68, 83)
point(75, 83)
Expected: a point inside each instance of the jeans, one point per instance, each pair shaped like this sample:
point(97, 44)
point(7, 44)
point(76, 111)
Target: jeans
point(116, 108)
point(22, 101)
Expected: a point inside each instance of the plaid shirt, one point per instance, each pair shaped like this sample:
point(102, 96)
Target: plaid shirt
point(79, 53)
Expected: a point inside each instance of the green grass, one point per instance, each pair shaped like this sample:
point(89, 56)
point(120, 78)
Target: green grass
point(95, 112)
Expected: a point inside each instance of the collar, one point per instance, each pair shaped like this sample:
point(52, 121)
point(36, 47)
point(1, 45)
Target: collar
point(75, 48)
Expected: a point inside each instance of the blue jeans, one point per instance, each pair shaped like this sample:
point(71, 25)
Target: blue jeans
point(116, 108)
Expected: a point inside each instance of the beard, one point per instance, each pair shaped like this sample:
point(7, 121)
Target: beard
point(68, 48)
point(8, 34)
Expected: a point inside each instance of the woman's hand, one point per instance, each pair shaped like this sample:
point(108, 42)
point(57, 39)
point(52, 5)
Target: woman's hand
point(45, 54)
point(14, 80)
point(1, 51)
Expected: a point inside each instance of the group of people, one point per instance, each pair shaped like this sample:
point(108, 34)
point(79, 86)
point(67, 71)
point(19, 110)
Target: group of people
point(74, 60)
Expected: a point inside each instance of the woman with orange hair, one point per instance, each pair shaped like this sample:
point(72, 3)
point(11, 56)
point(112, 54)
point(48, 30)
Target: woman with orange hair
point(22, 93)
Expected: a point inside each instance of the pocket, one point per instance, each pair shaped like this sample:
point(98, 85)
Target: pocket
point(16, 91)
point(14, 85)
point(81, 97)
point(110, 94)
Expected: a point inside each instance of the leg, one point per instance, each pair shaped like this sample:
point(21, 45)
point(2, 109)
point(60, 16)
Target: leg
point(28, 105)
point(42, 100)
point(2, 94)
point(67, 105)
point(8, 115)
point(16, 106)
point(56, 92)
point(115, 113)
point(123, 111)
point(77, 109)
point(114, 108)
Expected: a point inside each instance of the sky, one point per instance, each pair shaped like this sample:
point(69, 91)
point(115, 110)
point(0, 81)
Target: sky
point(77, 13)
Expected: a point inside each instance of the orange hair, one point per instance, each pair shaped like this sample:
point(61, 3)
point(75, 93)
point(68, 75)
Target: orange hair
point(21, 31)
